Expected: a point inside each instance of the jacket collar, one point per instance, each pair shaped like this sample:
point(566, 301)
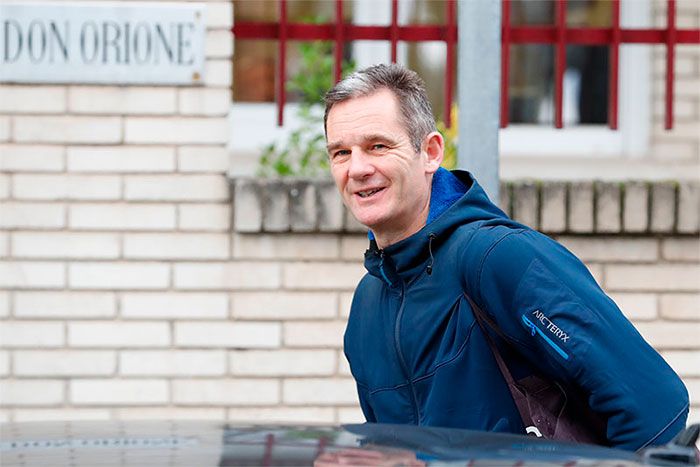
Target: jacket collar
point(455, 199)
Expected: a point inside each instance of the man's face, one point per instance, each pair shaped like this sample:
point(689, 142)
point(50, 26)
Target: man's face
point(381, 178)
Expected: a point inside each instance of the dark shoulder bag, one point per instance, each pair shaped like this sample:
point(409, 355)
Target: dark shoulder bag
point(546, 409)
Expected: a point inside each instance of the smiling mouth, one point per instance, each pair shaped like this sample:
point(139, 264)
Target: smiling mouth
point(368, 193)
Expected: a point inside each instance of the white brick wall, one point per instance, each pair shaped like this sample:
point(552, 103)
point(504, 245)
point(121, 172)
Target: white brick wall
point(126, 292)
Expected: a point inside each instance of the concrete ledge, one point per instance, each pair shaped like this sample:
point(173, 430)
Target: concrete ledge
point(554, 207)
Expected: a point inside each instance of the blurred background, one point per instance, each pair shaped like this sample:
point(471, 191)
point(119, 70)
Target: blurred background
point(168, 251)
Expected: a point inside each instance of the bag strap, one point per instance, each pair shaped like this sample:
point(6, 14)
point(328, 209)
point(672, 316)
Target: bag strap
point(520, 402)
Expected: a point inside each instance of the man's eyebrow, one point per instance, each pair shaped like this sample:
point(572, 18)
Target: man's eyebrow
point(365, 139)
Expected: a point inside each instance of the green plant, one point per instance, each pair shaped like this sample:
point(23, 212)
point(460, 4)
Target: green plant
point(304, 152)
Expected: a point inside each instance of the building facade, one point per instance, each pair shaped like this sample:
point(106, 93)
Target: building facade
point(139, 280)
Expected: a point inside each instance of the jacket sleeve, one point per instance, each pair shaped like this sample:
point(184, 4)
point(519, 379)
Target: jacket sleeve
point(546, 300)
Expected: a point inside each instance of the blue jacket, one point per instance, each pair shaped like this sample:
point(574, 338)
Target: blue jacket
point(419, 357)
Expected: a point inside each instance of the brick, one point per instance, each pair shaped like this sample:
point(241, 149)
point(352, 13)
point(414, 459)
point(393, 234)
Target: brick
point(688, 207)
point(282, 362)
point(204, 217)
point(330, 207)
point(353, 247)
point(32, 99)
point(580, 212)
point(118, 275)
point(4, 244)
point(4, 186)
point(219, 44)
point(65, 304)
point(319, 391)
point(660, 277)
point(288, 246)
point(4, 363)
point(302, 206)
point(142, 130)
point(118, 392)
point(283, 415)
point(176, 246)
point(170, 413)
point(219, 15)
point(314, 334)
point(218, 73)
point(56, 415)
point(607, 249)
point(174, 305)
point(125, 159)
point(31, 275)
point(205, 101)
point(608, 215)
point(33, 392)
point(122, 216)
point(29, 158)
point(242, 335)
point(553, 210)
point(684, 362)
point(275, 216)
point(636, 306)
point(176, 188)
point(72, 245)
point(635, 216)
point(58, 187)
point(681, 306)
point(225, 392)
point(248, 206)
point(681, 249)
point(322, 275)
point(350, 415)
point(343, 365)
point(68, 129)
point(663, 205)
point(673, 151)
point(203, 159)
point(4, 129)
point(64, 363)
point(350, 224)
point(283, 305)
point(345, 304)
point(4, 416)
point(664, 335)
point(121, 100)
point(693, 386)
point(226, 276)
point(32, 215)
point(172, 363)
point(4, 304)
point(23, 334)
point(118, 334)
point(526, 204)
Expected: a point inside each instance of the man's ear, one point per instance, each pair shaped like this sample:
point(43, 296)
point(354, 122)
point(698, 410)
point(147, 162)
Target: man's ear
point(434, 148)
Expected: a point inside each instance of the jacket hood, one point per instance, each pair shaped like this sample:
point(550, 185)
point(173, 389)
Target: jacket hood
point(456, 199)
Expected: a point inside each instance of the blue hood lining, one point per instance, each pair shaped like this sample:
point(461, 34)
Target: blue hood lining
point(446, 189)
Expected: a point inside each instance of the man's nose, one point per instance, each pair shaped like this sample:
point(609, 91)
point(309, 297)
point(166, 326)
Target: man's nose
point(361, 164)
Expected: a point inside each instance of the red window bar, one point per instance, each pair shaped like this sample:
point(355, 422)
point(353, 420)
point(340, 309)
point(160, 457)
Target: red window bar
point(557, 34)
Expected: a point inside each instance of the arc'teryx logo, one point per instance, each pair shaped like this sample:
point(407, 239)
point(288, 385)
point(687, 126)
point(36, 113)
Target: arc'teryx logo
point(550, 326)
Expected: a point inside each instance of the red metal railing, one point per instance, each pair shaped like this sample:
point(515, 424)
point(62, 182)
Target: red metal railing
point(557, 34)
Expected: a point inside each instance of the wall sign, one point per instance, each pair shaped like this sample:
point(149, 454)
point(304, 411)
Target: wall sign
point(102, 42)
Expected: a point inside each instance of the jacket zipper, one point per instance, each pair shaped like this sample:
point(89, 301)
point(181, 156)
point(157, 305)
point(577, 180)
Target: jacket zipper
point(381, 267)
point(535, 330)
point(397, 344)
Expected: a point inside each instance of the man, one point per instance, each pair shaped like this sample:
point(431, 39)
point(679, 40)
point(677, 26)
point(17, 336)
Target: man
point(436, 242)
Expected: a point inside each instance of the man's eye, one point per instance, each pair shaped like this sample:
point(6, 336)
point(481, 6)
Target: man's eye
point(378, 146)
point(342, 152)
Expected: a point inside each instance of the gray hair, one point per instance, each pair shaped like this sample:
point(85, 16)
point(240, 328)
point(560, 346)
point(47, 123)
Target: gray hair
point(409, 89)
